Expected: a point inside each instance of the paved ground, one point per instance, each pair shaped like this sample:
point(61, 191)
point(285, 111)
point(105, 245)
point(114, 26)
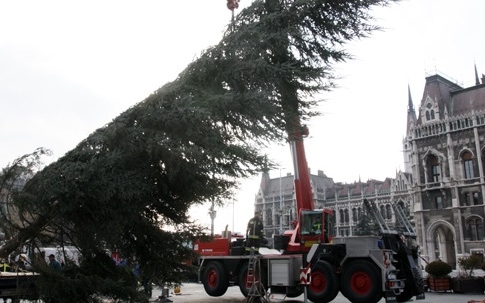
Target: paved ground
point(194, 292)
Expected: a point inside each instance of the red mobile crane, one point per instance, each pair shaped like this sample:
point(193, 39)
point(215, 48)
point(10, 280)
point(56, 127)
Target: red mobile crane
point(364, 268)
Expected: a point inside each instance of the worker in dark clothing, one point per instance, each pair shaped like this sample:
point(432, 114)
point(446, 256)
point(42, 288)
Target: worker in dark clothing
point(255, 232)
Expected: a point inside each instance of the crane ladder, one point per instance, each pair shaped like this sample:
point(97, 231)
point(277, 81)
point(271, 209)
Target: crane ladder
point(374, 211)
point(257, 292)
point(403, 220)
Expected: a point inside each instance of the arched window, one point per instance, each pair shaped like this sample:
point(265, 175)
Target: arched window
point(427, 116)
point(474, 228)
point(355, 216)
point(269, 216)
point(438, 202)
point(346, 216)
point(383, 211)
point(389, 211)
point(404, 208)
point(434, 169)
point(432, 114)
point(467, 159)
point(342, 218)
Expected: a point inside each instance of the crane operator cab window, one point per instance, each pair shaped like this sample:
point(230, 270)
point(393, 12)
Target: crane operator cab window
point(311, 223)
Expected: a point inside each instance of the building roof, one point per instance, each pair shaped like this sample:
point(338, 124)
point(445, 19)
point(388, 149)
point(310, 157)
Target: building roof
point(325, 187)
point(453, 100)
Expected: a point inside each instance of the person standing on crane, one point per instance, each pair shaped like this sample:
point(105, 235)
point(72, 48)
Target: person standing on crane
point(255, 232)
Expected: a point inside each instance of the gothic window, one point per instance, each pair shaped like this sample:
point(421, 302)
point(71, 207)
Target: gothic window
point(470, 198)
point(404, 208)
point(432, 114)
point(269, 215)
point(476, 200)
point(346, 216)
point(354, 215)
point(427, 116)
point(436, 173)
point(474, 228)
point(439, 203)
point(481, 120)
point(383, 211)
point(389, 211)
point(342, 218)
point(467, 199)
point(434, 168)
point(467, 159)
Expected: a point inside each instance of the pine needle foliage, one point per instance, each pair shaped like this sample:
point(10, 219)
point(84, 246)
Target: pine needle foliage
point(129, 185)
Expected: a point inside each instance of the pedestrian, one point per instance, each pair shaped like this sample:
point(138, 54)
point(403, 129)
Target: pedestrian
point(144, 280)
point(4, 266)
point(255, 232)
point(54, 263)
point(122, 262)
point(20, 262)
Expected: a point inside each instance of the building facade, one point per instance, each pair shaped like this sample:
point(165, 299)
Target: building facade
point(276, 199)
point(444, 151)
point(441, 189)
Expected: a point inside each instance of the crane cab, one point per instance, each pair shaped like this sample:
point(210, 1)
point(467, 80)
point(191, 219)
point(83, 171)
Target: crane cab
point(315, 226)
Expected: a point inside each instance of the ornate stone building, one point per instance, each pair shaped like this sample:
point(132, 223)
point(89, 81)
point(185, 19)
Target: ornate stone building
point(276, 198)
point(444, 150)
point(442, 186)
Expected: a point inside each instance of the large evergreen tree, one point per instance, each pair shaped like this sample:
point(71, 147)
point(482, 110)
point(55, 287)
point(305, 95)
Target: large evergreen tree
point(130, 184)
point(366, 226)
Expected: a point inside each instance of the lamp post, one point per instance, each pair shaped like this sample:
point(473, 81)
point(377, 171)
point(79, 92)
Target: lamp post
point(212, 213)
point(281, 205)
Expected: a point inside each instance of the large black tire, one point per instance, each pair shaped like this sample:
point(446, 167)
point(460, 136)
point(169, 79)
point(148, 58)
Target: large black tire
point(324, 285)
point(406, 295)
point(362, 282)
point(242, 278)
point(411, 290)
point(293, 292)
point(215, 279)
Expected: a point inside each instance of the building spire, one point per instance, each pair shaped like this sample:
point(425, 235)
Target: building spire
point(411, 112)
point(477, 80)
point(410, 101)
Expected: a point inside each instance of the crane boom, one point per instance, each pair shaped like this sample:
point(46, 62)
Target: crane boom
point(303, 191)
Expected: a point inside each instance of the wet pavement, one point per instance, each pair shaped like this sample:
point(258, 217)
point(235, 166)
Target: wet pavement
point(194, 292)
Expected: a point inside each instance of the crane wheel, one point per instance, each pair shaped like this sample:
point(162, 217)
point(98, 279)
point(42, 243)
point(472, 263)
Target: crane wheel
point(324, 284)
point(243, 278)
point(362, 282)
point(412, 287)
point(215, 279)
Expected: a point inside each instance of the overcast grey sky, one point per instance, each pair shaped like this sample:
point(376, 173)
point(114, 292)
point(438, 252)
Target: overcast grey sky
point(69, 67)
